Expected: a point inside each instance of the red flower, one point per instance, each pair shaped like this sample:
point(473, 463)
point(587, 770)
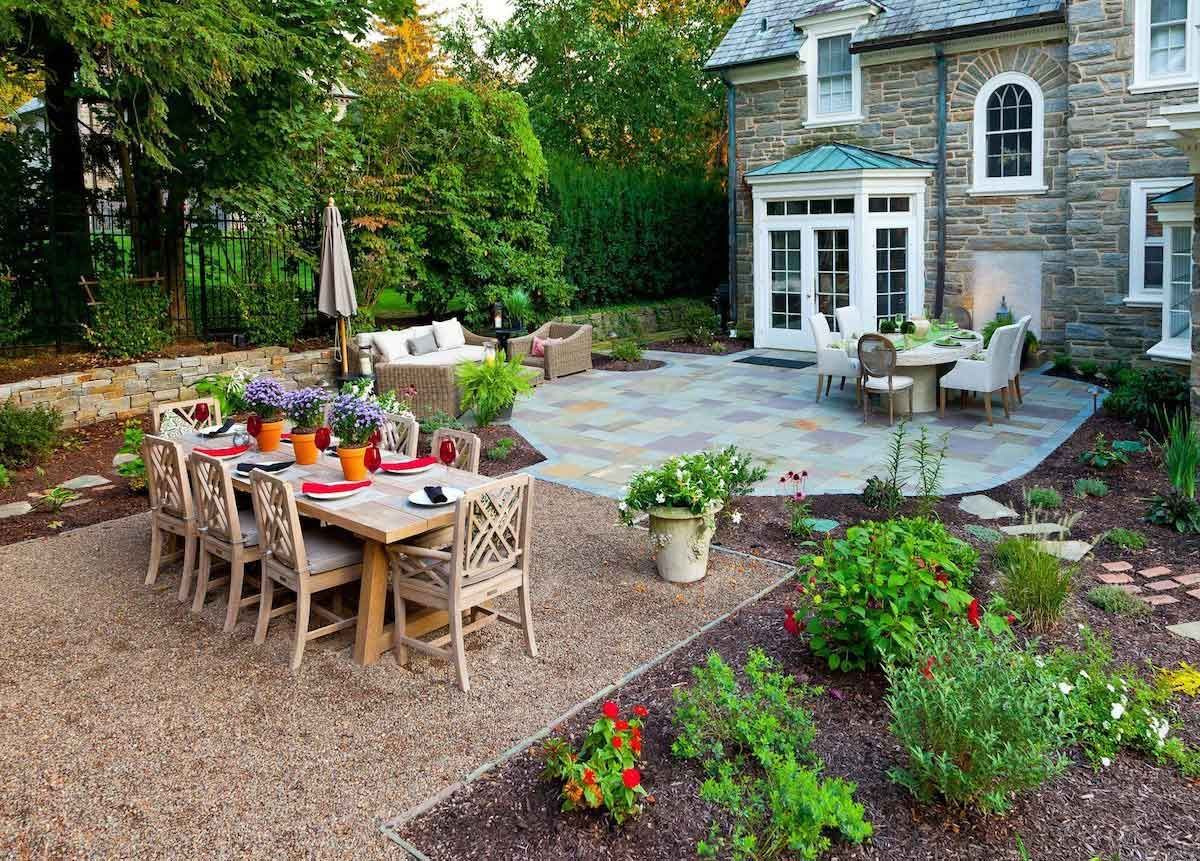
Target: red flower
point(641, 711)
point(1010, 618)
point(635, 744)
point(617, 742)
point(789, 623)
point(927, 670)
point(622, 725)
point(610, 710)
point(589, 776)
point(942, 578)
point(637, 733)
point(973, 613)
point(631, 778)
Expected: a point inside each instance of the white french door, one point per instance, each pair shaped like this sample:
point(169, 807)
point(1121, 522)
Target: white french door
point(806, 266)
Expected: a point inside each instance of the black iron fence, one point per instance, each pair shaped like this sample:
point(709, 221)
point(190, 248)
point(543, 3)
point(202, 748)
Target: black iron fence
point(216, 252)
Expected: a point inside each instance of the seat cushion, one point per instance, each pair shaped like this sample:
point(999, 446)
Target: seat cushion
point(880, 384)
point(331, 548)
point(391, 346)
point(249, 528)
point(448, 358)
point(449, 334)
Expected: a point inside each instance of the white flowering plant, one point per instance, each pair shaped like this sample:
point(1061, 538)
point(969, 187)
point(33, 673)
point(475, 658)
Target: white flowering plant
point(702, 482)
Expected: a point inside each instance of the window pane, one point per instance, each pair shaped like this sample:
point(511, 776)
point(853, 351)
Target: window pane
point(1152, 279)
point(1179, 317)
point(797, 207)
point(843, 205)
point(821, 207)
point(834, 78)
point(786, 280)
point(774, 207)
point(877, 204)
point(891, 277)
point(899, 204)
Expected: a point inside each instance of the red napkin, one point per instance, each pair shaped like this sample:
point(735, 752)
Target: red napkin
point(409, 464)
point(285, 436)
point(223, 452)
point(318, 487)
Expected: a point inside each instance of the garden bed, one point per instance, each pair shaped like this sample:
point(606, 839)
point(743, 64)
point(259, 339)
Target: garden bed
point(602, 362)
point(679, 345)
point(521, 455)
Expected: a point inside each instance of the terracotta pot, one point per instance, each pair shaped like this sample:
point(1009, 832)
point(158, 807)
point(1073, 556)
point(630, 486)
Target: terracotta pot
point(269, 434)
point(306, 449)
point(353, 467)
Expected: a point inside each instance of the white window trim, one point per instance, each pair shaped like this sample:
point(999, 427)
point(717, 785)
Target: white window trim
point(1143, 82)
point(1140, 191)
point(823, 28)
point(1034, 183)
point(1172, 216)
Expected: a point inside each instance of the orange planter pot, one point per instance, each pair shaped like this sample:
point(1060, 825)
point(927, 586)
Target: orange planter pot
point(352, 462)
point(268, 437)
point(306, 450)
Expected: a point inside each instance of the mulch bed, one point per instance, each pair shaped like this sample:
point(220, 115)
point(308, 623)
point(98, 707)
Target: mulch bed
point(678, 345)
point(601, 362)
point(1073, 374)
point(522, 454)
point(87, 451)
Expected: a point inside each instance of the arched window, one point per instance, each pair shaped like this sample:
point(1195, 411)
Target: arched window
point(1008, 136)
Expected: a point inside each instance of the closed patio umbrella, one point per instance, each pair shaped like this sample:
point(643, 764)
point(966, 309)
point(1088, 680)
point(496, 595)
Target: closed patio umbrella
point(337, 297)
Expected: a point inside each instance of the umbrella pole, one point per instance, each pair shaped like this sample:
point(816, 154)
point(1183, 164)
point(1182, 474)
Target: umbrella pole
point(345, 353)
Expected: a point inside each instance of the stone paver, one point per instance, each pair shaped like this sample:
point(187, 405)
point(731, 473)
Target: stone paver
point(1034, 529)
point(1116, 567)
point(1188, 579)
point(985, 508)
point(1114, 579)
point(123, 457)
point(709, 401)
point(1071, 551)
point(1132, 590)
point(1161, 585)
point(822, 525)
point(1195, 593)
point(1191, 630)
point(14, 509)
point(82, 482)
point(1157, 571)
point(77, 502)
point(1160, 600)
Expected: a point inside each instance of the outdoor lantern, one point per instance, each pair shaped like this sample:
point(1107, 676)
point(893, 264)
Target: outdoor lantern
point(364, 354)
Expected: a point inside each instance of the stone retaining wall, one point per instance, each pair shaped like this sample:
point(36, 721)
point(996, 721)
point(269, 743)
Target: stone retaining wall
point(86, 397)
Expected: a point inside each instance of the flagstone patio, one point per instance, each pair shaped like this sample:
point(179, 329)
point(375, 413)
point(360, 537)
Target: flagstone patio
point(597, 429)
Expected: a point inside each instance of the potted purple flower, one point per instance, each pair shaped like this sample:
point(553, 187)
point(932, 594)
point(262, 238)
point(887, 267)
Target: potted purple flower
point(306, 410)
point(265, 398)
point(354, 421)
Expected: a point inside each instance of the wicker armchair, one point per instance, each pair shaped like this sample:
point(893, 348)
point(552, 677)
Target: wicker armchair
point(569, 353)
point(436, 385)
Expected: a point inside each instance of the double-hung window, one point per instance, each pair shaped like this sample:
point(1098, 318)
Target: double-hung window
point(835, 78)
point(1165, 45)
point(832, 70)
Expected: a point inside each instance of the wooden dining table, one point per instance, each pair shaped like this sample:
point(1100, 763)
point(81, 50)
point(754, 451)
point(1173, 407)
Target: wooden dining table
point(380, 515)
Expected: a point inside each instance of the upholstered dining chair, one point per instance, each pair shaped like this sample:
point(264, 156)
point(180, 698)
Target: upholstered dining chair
point(400, 433)
point(182, 415)
point(831, 361)
point(171, 514)
point(489, 557)
point(986, 375)
point(1015, 395)
point(877, 360)
point(306, 560)
point(466, 444)
point(849, 321)
point(226, 533)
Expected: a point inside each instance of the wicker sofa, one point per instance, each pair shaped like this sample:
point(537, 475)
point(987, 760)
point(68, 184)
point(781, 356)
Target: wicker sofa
point(433, 375)
point(568, 349)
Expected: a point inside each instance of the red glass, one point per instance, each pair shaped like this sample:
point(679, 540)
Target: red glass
point(253, 425)
point(322, 438)
point(447, 451)
point(375, 437)
point(201, 413)
point(372, 458)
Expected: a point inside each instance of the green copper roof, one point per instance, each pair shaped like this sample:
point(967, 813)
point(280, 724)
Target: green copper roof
point(834, 157)
point(1183, 194)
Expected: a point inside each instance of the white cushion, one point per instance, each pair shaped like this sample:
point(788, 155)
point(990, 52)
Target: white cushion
point(880, 384)
point(448, 358)
point(449, 334)
point(249, 527)
point(391, 346)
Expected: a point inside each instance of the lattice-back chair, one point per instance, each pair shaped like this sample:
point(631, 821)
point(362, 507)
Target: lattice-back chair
point(877, 361)
point(174, 418)
point(466, 444)
point(171, 514)
point(400, 433)
point(305, 560)
point(489, 557)
point(226, 532)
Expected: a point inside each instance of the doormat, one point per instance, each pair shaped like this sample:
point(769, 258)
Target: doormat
point(771, 362)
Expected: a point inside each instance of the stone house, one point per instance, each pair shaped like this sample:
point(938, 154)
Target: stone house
point(952, 154)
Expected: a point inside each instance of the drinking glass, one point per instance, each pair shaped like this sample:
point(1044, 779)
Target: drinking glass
point(201, 414)
point(447, 452)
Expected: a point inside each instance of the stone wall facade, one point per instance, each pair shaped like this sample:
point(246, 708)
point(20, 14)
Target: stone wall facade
point(125, 391)
point(1098, 138)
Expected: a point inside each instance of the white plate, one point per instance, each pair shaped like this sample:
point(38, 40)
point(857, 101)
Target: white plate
point(418, 497)
point(228, 456)
point(337, 494)
point(417, 471)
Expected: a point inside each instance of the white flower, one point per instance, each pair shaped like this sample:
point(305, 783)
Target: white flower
point(1105, 761)
point(1159, 727)
point(1117, 710)
point(1065, 688)
point(1111, 689)
point(1084, 674)
point(661, 498)
point(736, 517)
point(622, 506)
point(1037, 659)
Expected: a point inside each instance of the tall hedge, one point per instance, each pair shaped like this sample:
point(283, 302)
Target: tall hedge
point(630, 233)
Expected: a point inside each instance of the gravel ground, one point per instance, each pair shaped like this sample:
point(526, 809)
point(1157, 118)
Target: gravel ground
point(130, 728)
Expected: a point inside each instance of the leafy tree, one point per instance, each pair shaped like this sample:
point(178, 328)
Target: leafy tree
point(407, 52)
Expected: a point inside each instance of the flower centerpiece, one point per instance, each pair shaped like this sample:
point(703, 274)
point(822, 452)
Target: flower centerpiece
point(683, 496)
point(354, 421)
point(264, 397)
point(306, 410)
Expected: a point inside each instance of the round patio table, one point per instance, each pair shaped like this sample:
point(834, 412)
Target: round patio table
point(925, 363)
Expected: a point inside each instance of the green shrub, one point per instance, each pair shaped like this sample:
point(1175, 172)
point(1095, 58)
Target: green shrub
point(1181, 452)
point(627, 351)
point(27, 436)
point(1103, 454)
point(755, 748)
point(13, 314)
point(1043, 498)
point(490, 387)
point(874, 590)
point(1062, 363)
point(130, 318)
point(1145, 395)
point(1090, 487)
point(887, 326)
point(1034, 583)
point(882, 495)
point(5, 480)
point(439, 419)
point(518, 306)
point(1089, 368)
point(131, 443)
point(700, 324)
point(502, 449)
point(270, 308)
point(974, 719)
point(1115, 600)
point(984, 533)
point(1174, 510)
point(1126, 539)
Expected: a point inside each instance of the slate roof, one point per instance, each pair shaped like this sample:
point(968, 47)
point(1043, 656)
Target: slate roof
point(748, 42)
point(835, 157)
point(1183, 194)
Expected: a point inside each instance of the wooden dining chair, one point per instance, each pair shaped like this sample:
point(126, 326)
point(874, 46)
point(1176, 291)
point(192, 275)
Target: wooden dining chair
point(466, 444)
point(400, 433)
point(877, 360)
point(307, 561)
point(182, 414)
point(226, 533)
point(489, 557)
point(171, 514)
